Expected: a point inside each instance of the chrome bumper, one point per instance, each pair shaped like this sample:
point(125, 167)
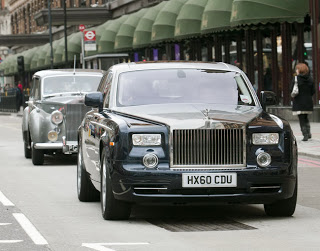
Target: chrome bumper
point(67, 148)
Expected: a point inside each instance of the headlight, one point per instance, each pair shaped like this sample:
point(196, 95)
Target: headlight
point(52, 136)
point(265, 138)
point(146, 139)
point(56, 117)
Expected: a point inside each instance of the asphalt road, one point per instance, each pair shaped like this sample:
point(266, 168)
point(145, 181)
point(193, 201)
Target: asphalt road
point(39, 210)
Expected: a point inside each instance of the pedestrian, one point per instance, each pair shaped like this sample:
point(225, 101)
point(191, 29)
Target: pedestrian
point(267, 80)
point(302, 102)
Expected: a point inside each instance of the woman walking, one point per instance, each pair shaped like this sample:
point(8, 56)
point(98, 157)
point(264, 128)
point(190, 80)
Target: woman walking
point(302, 103)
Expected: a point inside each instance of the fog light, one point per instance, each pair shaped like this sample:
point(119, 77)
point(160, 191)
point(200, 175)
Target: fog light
point(150, 160)
point(52, 136)
point(264, 159)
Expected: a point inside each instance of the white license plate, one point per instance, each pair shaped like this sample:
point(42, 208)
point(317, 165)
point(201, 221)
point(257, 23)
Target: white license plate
point(209, 180)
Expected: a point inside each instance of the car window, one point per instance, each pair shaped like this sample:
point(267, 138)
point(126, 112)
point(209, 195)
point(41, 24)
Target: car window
point(106, 91)
point(70, 84)
point(182, 86)
point(35, 93)
point(103, 82)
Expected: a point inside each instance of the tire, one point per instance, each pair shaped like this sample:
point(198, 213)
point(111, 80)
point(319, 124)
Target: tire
point(86, 190)
point(27, 151)
point(112, 209)
point(37, 156)
point(283, 208)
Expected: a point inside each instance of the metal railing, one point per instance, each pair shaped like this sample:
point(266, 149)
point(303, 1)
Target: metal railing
point(9, 102)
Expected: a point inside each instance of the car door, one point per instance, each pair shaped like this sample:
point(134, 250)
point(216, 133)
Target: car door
point(99, 128)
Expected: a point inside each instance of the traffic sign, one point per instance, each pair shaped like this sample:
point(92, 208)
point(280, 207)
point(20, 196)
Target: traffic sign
point(89, 36)
point(82, 27)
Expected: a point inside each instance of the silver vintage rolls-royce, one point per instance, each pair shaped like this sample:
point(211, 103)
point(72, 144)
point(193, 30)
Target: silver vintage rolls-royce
point(55, 110)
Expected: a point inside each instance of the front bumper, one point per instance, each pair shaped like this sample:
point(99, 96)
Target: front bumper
point(67, 147)
point(254, 186)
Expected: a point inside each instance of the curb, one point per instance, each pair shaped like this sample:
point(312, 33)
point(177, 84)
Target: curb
point(311, 155)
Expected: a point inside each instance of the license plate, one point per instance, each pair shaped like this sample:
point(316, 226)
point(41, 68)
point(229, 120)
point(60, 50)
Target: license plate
point(209, 180)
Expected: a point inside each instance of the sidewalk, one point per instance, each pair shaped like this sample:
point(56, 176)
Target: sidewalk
point(310, 148)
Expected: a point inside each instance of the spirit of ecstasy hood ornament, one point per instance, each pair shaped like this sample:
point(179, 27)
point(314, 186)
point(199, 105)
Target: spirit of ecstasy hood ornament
point(206, 113)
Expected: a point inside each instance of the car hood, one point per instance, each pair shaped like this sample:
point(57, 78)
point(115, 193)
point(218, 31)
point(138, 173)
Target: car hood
point(193, 116)
point(65, 99)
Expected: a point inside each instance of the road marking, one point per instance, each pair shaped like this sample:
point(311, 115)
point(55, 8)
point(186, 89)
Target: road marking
point(33, 233)
point(100, 246)
point(10, 241)
point(5, 224)
point(310, 161)
point(5, 201)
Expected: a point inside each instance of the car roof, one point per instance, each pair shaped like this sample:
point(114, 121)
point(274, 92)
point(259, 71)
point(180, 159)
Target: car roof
point(157, 65)
point(66, 72)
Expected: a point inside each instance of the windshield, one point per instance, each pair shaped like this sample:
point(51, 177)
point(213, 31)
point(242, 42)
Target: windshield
point(70, 84)
point(182, 86)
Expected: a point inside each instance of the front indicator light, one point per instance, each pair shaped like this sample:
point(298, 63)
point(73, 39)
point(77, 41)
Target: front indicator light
point(264, 159)
point(52, 136)
point(146, 139)
point(150, 160)
point(265, 138)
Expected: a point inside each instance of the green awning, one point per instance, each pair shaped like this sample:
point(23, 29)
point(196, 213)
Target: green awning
point(251, 12)
point(74, 46)
point(42, 56)
point(48, 54)
point(164, 26)
point(106, 42)
point(7, 68)
point(142, 34)
point(188, 23)
point(216, 16)
point(57, 56)
point(35, 58)
point(124, 37)
point(28, 55)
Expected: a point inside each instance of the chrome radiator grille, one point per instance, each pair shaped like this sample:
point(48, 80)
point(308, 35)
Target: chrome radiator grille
point(74, 115)
point(208, 147)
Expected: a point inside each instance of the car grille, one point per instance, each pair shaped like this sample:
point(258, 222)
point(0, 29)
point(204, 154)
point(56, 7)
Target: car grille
point(208, 147)
point(74, 116)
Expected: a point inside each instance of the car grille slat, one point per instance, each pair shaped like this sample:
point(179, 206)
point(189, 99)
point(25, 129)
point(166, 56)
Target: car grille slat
point(208, 147)
point(74, 116)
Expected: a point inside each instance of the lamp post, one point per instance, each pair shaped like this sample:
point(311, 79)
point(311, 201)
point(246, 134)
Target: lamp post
point(65, 31)
point(50, 34)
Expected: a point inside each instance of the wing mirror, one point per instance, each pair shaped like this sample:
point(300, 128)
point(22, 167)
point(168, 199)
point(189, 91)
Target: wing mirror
point(267, 98)
point(94, 99)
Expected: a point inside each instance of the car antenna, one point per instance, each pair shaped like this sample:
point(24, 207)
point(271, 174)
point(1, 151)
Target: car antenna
point(74, 64)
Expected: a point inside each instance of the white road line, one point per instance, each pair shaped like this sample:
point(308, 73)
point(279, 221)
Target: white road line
point(100, 246)
point(5, 224)
point(5, 201)
point(10, 241)
point(33, 233)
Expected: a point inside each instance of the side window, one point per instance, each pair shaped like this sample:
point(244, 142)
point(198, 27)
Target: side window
point(35, 93)
point(106, 91)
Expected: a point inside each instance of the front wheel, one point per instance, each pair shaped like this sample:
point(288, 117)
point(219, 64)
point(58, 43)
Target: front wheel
point(283, 207)
point(112, 209)
point(37, 156)
point(27, 151)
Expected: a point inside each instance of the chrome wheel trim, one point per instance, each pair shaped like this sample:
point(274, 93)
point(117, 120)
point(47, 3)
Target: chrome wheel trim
point(104, 186)
point(79, 170)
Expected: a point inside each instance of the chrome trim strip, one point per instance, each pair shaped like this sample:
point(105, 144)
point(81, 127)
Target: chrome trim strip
point(271, 187)
point(150, 188)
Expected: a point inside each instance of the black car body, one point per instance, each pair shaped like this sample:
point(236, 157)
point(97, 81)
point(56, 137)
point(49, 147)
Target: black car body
point(216, 145)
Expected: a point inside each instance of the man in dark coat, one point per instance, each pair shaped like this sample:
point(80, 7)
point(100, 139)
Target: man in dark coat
point(303, 103)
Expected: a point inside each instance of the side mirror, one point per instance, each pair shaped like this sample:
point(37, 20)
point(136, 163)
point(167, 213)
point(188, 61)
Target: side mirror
point(94, 99)
point(267, 98)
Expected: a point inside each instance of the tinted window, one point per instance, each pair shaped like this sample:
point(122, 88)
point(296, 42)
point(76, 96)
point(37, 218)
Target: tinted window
point(69, 84)
point(182, 86)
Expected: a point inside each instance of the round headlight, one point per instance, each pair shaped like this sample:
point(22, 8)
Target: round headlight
point(150, 160)
point(56, 117)
point(264, 159)
point(52, 136)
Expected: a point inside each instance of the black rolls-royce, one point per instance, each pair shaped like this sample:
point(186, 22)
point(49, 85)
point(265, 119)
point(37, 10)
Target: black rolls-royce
point(177, 132)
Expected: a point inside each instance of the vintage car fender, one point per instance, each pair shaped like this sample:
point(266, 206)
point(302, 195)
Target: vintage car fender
point(25, 126)
point(39, 125)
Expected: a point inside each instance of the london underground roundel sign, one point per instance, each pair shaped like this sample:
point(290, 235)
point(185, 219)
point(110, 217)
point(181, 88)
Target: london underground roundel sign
point(89, 36)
